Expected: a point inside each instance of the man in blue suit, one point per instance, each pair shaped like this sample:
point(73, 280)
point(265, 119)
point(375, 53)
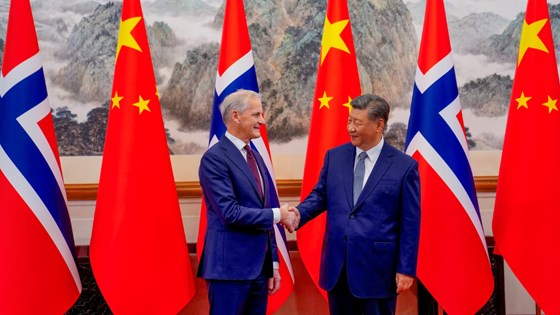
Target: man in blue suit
point(240, 260)
point(370, 191)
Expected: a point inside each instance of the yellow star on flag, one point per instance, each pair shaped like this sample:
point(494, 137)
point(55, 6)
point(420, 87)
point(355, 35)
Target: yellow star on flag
point(522, 101)
point(331, 37)
point(530, 38)
point(325, 100)
point(157, 92)
point(125, 36)
point(551, 104)
point(116, 100)
point(348, 104)
point(142, 104)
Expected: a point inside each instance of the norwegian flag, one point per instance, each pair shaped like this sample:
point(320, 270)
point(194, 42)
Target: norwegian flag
point(38, 268)
point(236, 70)
point(452, 242)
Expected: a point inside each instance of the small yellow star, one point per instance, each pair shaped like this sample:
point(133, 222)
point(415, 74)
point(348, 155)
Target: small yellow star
point(157, 92)
point(125, 36)
point(551, 104)
point(522, 101)
point(331, 37)
point(530, 38)
point(348, 104)
point(325, 100)
point(116, 100)
point(142, 104)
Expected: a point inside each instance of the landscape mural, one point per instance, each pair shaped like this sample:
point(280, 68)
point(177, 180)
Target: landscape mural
point(78, 40)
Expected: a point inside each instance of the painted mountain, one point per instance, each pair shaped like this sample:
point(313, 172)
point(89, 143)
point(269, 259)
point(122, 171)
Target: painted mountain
point(78, 40)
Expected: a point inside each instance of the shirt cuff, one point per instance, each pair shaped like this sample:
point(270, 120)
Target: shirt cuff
point(275, 265)
point(276, 213)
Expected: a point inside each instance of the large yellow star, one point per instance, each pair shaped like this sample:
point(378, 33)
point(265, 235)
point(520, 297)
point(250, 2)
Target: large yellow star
point(116, 100)
point(551, 104)
point(325, 100)
point(125, 36)
point(348, 104)
point(522, 101)
point(530, 38)
point(331, 37)
point(142, 104)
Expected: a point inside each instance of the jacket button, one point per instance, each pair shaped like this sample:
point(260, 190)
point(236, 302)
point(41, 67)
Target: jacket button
point(352, 216)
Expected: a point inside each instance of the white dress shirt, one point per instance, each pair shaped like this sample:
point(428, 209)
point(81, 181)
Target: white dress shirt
point(370, 160)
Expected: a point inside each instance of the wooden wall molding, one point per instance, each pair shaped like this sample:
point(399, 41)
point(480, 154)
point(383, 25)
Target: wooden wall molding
point(286, 188)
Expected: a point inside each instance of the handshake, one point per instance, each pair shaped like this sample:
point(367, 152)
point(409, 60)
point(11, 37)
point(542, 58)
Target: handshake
point(289, 217)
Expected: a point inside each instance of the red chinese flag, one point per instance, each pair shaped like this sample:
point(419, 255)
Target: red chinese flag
point(139, 253)
point(337, 84)
point(527, 210)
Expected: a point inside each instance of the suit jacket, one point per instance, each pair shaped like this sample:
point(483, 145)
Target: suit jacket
point(239, 240)
point(377, 237)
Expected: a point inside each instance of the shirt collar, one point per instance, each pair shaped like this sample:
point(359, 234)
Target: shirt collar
point(238, 143)
point(375, 151)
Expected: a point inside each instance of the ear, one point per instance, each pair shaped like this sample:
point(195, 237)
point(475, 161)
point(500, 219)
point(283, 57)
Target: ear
point(380, 125)
point(235, 116)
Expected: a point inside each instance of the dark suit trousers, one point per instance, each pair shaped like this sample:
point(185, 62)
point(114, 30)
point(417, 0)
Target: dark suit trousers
point(246, 297)
point(342, 302)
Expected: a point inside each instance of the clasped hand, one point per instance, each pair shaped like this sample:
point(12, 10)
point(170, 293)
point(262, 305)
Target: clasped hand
point(289, 217)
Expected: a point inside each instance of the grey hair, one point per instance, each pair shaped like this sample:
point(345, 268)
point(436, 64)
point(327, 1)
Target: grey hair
point(238, 100)
point(376, 106)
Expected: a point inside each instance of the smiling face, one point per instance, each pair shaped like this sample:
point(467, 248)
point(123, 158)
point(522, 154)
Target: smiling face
point(364, 133)
point(247, 124)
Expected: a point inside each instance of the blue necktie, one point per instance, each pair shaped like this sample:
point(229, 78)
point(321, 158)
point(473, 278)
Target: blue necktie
point(359, 175)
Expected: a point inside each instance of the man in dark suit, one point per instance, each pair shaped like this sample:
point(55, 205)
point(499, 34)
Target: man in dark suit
point(370, 191)
point(240, 260)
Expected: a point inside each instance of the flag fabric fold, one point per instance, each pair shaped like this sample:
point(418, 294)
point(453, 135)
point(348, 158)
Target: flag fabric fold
point(452, 240)
point(338, 82)
point(38, 269)
point(236, 70)
point(138, 251)
point(527, 208)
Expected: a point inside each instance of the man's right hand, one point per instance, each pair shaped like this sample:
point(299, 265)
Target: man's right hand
point(288, 218)
point(298, 216)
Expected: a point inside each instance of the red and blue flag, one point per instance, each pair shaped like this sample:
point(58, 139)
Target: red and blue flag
point(38, 273)
point(236, 70)
point(452, 252)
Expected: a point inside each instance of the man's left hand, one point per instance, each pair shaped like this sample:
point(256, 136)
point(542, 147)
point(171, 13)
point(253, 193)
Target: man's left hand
point(404, 282)
point(274, 282)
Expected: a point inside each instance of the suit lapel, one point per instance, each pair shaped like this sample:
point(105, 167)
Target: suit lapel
point(264, 175)
point(381, 166)
point(232, 153)
point(348, 174)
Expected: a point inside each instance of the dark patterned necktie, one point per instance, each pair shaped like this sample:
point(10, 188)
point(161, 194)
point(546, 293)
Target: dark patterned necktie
point(254, 168)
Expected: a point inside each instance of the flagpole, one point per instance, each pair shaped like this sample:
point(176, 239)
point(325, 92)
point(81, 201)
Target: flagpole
point(439, 309)
point(537, 309)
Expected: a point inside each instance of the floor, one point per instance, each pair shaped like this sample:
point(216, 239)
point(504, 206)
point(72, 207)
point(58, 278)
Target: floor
point(304, 300)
